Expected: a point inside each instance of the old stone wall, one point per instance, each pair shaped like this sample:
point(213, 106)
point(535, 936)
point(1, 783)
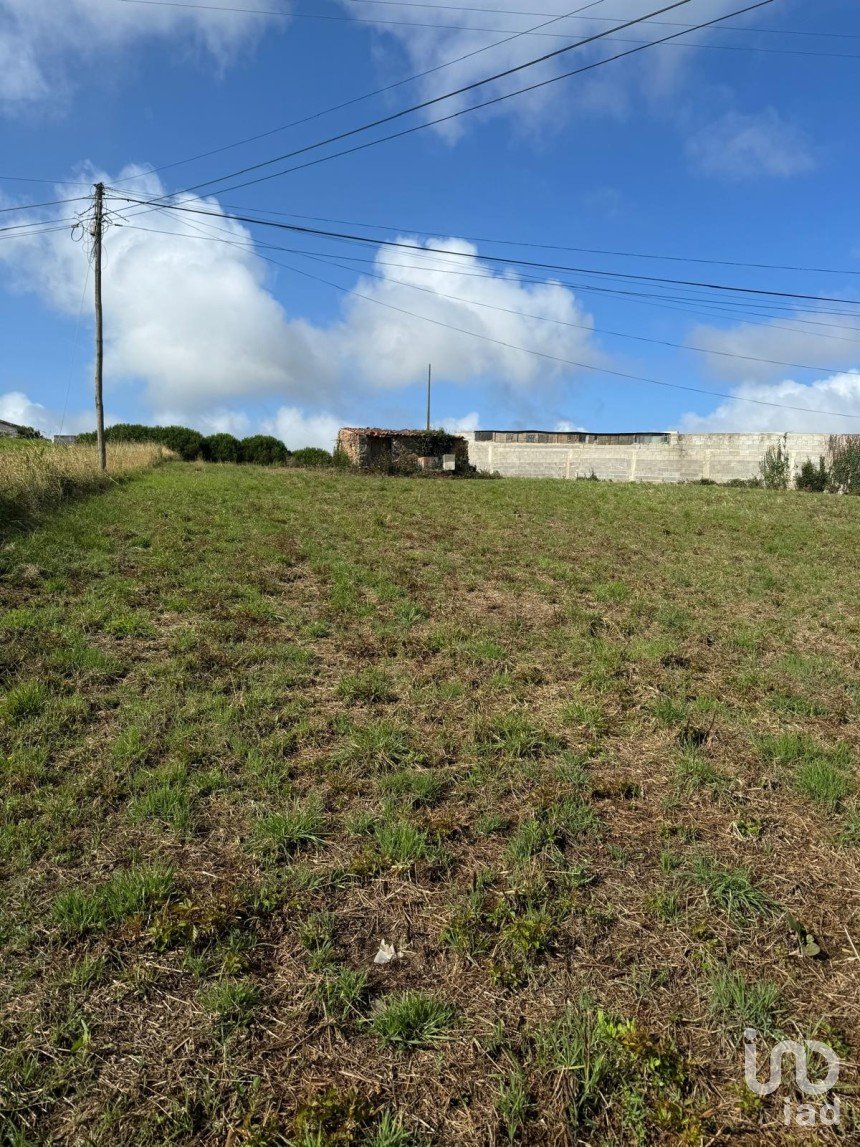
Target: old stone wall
point(667, 458)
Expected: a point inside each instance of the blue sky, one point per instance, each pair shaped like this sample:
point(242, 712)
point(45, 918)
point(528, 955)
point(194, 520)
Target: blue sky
point(736, 145)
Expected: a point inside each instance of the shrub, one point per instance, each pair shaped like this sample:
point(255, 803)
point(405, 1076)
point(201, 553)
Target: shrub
point(311, 456)
point(814, 479)
point(775, 467)
point(124, 432)
point(181, 440)
point(844, 450)
point(264, 450)
point(222, 448)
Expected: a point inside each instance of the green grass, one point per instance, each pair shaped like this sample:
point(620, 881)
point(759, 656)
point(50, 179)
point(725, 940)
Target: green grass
point(826, 775)
point(400, 842)
point(280, 834)
point(740, 1004)
point(130, 893)
point(731, 890)
point(233, 1004)
point(582, 755)
point(412, 1019)
point(341, 992)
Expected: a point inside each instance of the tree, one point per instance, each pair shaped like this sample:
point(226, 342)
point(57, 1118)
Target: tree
point(181, 440)
point(264, 450)
point(222, 448)
point(813, 479)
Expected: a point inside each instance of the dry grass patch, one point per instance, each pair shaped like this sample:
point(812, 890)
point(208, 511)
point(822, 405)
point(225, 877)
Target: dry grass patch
point(36, 474)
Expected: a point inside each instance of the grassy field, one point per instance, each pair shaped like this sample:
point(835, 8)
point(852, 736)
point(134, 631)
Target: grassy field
point(584, 756)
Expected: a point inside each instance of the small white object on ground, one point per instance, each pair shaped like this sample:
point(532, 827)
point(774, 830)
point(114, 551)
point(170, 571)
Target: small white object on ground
point(387, 952)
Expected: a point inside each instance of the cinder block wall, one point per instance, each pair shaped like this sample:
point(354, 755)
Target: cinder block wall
point(681, 458)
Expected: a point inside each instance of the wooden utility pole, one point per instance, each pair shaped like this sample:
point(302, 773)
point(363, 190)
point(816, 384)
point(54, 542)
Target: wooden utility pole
point(429, 371)
point(97, 232)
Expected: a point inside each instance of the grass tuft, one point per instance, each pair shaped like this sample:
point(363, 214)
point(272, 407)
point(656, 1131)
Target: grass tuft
point(412, 1019)
point(741, 1004)
point(731, 890)
point(281, 834)
point(137, 891)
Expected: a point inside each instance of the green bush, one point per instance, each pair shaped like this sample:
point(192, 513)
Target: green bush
point(775, 467)
point(311, 456)
point(222, 448)
point(124, 432)
point(814, 479)
point(188, 444)
point(264, 450)
point(180, 439)
point(260, 449)
point(845, 463)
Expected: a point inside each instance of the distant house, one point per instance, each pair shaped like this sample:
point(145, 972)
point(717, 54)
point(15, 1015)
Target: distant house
point(9, 429)
point(65, 439)
point(402, 451)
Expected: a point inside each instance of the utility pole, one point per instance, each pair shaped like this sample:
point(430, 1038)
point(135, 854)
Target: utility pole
point(429, 372)
point(97, 233)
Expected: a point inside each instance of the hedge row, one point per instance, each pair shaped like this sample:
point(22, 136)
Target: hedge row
point(259, 449)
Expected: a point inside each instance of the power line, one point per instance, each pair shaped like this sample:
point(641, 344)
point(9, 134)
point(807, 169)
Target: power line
point(556, 246)
point(535, 31)
point(289, 15)
point(571, 362)
point(375, 21)
point(368, 95)
point(322, 257)
point(691, 303)
point(40, 227)
point(649, 299)
point(510, 261)
point(32, 179)
point(456, 92)
point(452, 115)
point(49, 203)
point(557, 358)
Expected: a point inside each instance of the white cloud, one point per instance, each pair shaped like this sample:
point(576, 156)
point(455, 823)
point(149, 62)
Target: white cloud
point(197, 324)
point(563, 426)
point(17, 407)
point(42, 41)
point(221, 421)
point(193, 320)
point(391, 349)
point(807, 342)
point(840, 394)
point(462, 425)
point(742, 146)
point(298, 429)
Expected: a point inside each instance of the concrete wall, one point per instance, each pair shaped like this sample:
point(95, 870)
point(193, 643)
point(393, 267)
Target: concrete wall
point(675, 458)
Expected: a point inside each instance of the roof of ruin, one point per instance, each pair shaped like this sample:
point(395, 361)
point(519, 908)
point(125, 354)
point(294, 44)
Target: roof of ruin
point(379, 432)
